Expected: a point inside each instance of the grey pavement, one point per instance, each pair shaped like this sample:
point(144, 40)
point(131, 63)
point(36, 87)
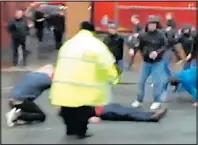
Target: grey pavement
point(177, 127)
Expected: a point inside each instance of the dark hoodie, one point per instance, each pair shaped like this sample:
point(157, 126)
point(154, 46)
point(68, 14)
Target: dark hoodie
point(152, 41)
point(18, 29)
point(186, 40)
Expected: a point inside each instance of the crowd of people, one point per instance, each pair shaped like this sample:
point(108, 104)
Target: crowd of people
point(36, 19)
point(85, 96)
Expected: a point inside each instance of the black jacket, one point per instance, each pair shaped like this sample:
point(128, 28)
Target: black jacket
point(18, 29)
point(186, 41)
point(57, 21)
point(115, 43)
point(138, 28)
point(39, 25)
point(152, 41)
point(172, 23)
point(171, 37)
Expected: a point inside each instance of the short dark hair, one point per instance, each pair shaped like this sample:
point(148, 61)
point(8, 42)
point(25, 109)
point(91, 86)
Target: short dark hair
point(87, 26)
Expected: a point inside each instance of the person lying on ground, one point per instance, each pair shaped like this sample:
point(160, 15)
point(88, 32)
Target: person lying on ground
point(187, 80)
point(117, 112)
point(21, 98)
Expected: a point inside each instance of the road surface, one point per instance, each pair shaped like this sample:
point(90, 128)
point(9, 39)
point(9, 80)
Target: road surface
point(178, 127)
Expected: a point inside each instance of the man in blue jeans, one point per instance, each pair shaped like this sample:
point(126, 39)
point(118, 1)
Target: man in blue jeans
point(152, 45)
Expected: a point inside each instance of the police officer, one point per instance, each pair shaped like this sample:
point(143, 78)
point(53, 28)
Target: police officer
point(115, 43)
point(81, 89)
point(152, 45)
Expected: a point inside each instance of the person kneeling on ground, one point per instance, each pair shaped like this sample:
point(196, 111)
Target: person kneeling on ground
point(21, 98)
point(187, 79)
point(117, 112)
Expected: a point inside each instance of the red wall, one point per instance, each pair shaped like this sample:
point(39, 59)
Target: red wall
point(181, 17)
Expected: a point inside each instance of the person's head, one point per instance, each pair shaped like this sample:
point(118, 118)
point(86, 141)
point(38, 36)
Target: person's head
point(153, 23)
point(135, 19)
point(85, 25)
point(112, 29)
point(187, 29)
point(61, 12)
point(169, 16)
point(19, 14)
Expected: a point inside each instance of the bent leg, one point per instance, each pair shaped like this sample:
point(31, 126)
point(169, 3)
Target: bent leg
point(30, 112)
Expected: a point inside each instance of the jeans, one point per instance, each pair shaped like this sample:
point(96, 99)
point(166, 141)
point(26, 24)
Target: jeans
point(120, 63)
point(167, 60)
point(156, 70)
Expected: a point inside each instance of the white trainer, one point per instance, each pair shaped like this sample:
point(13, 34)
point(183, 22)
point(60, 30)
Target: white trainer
point(155, 105)
point(136, 104)
point(10, 117)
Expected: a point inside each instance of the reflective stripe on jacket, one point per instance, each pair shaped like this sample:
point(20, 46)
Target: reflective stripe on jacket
point(84, 71)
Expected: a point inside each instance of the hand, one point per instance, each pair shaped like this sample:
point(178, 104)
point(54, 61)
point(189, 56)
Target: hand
point(195, 104)
point(94, 120)
point(153, 55)
point(188, 57)
point(131, 52)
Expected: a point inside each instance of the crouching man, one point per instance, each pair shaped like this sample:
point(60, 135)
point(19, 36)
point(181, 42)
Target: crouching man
point(21, 98)
point(117, 112)
point(188, 80)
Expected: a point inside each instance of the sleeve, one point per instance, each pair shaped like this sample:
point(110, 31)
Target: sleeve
point(107, 61)
point(11, 27)
point(163, 42)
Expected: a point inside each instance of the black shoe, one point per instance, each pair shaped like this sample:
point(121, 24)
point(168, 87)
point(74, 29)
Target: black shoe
point(84, 136)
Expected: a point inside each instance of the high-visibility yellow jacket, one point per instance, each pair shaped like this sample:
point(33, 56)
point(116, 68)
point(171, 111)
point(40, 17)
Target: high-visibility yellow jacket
point(84, 70)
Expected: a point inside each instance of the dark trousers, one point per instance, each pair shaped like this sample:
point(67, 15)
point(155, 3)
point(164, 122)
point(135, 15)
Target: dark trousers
point(29, 111)
point(58, 35)
point(76, 119)
point(132, 59)
point(15, 56)
point(39, 34)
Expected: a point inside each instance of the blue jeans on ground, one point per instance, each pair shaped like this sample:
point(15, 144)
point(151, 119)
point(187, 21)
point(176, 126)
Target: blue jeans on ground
point(156, 70)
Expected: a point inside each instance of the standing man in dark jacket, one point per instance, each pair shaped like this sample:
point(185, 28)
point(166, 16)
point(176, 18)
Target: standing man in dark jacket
point(39, 20)
point(19, 30)
point(152, 45)
point(115, 43)
point(58, 24)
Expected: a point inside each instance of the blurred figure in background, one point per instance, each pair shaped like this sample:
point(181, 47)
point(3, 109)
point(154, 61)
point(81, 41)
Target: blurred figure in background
point(39, 20)
point(116, 45)
point(19, 30)
point(138, 28)
point(58, 24)
point(170, 20)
